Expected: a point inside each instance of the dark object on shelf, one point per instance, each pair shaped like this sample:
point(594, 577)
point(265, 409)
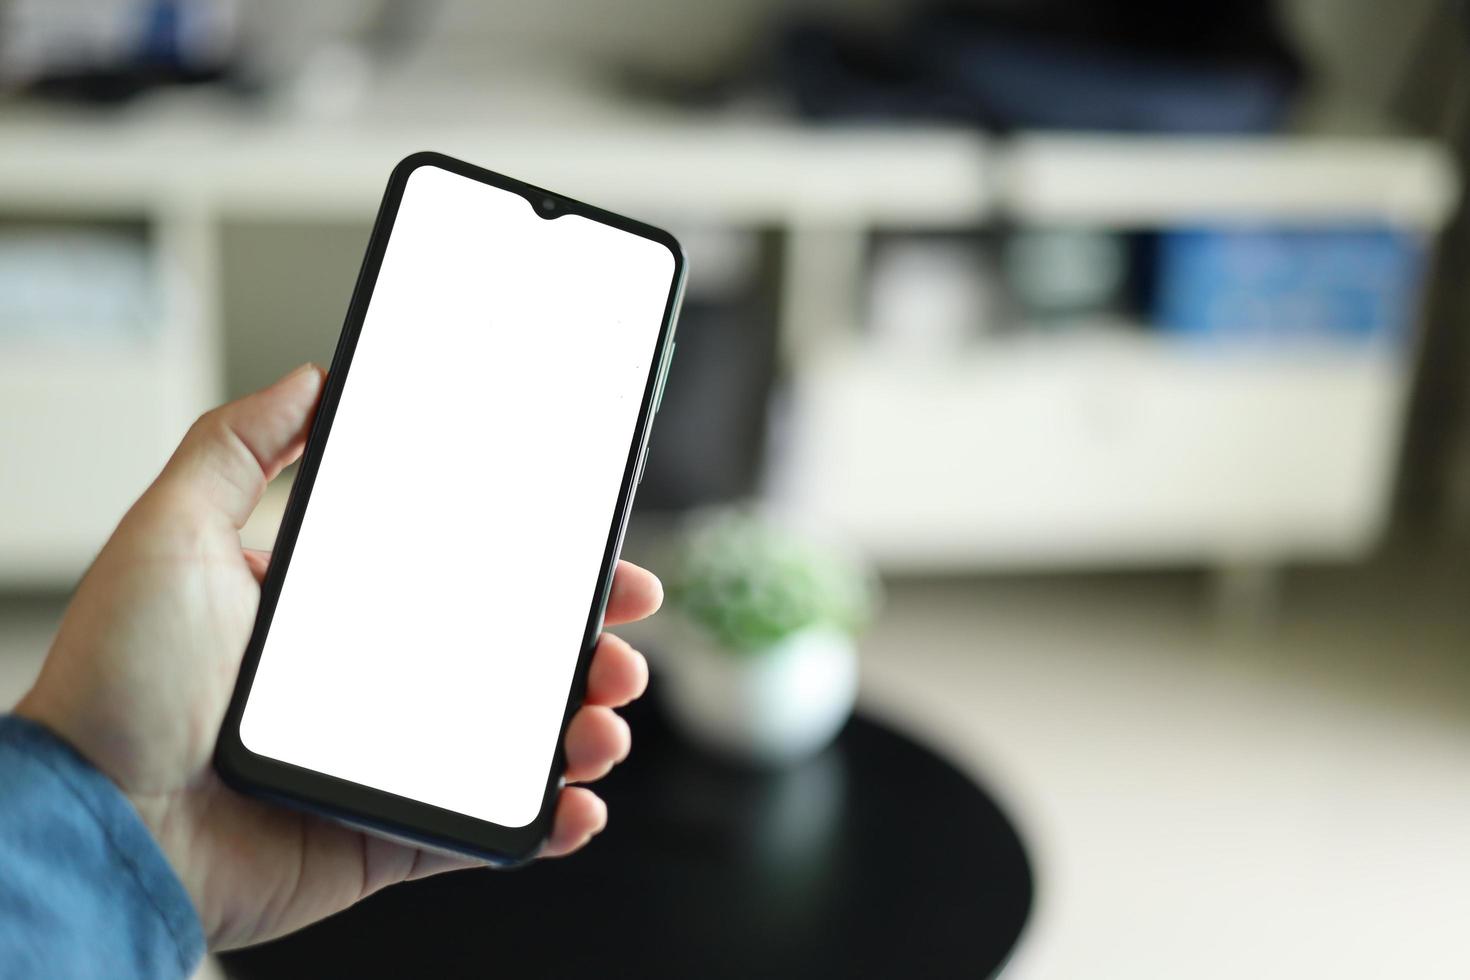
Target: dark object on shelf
point(1131, 66)
point(112, 54)
point(876, 858)
point(709, 439)
point(107, 86)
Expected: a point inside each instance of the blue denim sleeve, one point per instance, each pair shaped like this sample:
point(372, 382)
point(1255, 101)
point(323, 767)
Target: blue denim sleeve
point(84, 889)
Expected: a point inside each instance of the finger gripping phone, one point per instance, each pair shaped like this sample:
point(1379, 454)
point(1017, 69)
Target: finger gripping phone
point(442, 568)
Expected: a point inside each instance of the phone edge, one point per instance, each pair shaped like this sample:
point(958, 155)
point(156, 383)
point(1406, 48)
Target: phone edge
point(244, 770)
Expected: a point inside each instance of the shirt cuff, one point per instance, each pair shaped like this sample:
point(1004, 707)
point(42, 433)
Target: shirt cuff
point(86, 889)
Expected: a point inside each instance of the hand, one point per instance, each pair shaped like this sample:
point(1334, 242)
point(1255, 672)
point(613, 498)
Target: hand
point(145, 661)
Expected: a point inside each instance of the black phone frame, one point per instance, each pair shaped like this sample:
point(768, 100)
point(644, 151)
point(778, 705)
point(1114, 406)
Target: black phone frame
point(363, 806)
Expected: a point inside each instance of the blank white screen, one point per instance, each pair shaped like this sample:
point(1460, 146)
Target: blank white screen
point(429, 625)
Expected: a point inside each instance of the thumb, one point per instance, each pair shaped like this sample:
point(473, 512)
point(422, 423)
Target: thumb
point(232, 452)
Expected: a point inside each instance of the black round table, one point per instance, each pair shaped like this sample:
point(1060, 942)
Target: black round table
point(875, 859)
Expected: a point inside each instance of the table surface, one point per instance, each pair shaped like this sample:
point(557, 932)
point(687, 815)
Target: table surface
point(876, 858)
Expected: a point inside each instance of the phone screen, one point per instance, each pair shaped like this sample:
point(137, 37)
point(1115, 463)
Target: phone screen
point(428, 629)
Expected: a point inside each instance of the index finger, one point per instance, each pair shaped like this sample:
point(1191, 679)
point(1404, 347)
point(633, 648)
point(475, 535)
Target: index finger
point(636, 594)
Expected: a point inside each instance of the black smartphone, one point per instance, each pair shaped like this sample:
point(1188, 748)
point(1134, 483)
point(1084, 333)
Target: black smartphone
point(439, 579)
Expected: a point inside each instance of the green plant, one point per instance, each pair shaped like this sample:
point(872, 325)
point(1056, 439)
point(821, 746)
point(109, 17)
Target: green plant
point(749, 583)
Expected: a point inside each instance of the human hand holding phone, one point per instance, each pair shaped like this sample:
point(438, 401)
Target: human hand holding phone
point(142, 670)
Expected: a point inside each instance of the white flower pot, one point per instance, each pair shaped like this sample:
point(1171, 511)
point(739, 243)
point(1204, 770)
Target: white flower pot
point(770, 706)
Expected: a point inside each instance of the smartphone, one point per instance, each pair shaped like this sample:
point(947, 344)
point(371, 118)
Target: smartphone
point(439, 579)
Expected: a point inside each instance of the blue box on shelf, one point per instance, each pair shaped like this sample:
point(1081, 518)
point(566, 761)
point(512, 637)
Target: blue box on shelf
point(1345, 285)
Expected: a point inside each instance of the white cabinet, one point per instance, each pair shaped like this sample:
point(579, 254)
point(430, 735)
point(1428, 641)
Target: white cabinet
point(1095, 452)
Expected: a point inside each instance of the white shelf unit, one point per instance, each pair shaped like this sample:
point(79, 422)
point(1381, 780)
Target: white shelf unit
point(1122, 446)
point(84, 425)
point(1147, 182)
point(747, 174)
point(1104, 451)
point(81, 434)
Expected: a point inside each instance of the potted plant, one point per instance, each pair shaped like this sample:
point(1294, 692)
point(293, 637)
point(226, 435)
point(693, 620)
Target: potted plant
point(766, 670)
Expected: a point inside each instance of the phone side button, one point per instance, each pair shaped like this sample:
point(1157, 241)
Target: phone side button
point(663, 378)
point(642, 460)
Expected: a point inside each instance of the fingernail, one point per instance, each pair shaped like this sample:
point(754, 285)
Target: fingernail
point(305, 370)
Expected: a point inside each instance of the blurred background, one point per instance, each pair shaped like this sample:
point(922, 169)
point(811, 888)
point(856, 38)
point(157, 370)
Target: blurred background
point(1126, 341)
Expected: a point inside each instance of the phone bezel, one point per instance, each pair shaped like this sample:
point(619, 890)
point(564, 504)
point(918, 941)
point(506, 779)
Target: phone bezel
point(361, 805)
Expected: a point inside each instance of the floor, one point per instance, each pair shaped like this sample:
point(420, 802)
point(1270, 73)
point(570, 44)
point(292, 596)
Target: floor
point(1285, 801)
point(1292, 802)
